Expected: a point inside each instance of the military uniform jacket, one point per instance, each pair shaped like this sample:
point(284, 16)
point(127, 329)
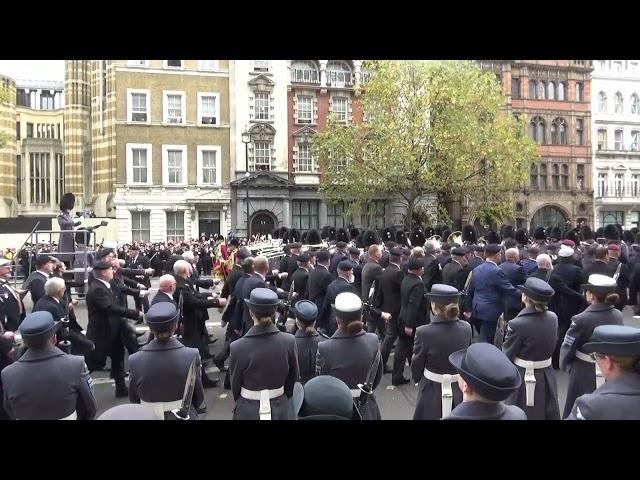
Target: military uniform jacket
point(11, 307)
point(264, 358)
point(371, 271)
point(431, 349)
point(326, 318)
point(616, 399)
point(319, 280)
point(582, 376)
point(532, 336)
point(307, 345)
point(390, 285)
point(47, 384)
point(349, 357)
point(486, 411)
point(488, 292)
point(299, 280)
point(450, 274)
point(158, 373)
point(413, 304)
point(35, 284)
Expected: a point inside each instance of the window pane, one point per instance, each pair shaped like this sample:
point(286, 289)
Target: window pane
point(261, 105)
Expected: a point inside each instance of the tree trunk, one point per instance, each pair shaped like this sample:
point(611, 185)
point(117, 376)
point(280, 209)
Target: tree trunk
point(408, 221)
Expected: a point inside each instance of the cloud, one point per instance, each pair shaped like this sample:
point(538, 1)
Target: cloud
point(33, 69)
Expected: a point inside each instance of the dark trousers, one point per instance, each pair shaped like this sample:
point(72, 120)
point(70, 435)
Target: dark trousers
point(404, 350)
point(389, 339)
point(142, 304)
point(377, 326)
point(80, 345)
point(487, 331)
point(563, 326)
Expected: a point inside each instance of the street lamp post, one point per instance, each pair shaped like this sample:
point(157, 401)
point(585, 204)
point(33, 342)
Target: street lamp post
point(246, 138)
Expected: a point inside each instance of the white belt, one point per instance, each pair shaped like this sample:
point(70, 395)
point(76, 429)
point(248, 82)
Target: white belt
point(72, 416)
point(159, 408)
point(263, 396)
point(529, 376)
point(586, 358)
point(355, 393)
point(445, 382)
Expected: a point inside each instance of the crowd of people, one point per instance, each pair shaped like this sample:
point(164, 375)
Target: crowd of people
point(483, 324)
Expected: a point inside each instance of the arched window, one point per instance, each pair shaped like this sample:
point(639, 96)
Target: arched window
point(635, 104)
point(618, 102)
point(602, 102)
point(548, 217)
point(564, 179)
point(532, 89)
point(542, 90)
point(555, 177)
point(537, 129)
point(543, 176)
point(551, 90)
point(533, 131)
point(562, 89)
point(559, 132)
point(339, 74)
point(534, 177)
point(305, 71)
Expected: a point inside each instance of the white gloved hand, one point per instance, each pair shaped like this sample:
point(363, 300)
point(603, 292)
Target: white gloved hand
point(144, 293)
point(149, 271)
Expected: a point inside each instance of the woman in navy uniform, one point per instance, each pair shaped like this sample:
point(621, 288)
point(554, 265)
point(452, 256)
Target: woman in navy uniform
point(263, 364)
point(159, 371)
point(350, 353)
point(486, 378)
point(616, 349)
point(529, 343)
point(438, 390)
point(602, 297)
point(307, 338)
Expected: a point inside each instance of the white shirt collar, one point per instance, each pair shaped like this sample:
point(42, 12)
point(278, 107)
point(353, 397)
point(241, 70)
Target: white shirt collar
point(394, 263)
point(167, 294)
point(491, 261)
point(321, 265)
point(106, 283)
point(58, 301)
point(260, 275)
point(43, 273)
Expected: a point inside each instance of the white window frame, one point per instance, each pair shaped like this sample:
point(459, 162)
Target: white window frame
point(136, 63)
point(130, 92)
point(178, 214)
point(262, 68)
point(165, 165)
point(270, 148)
point(298, 158)
point(130, 147)
point(346, 108)
point(298, 119)
point(203, 67)
point(618, 145)
point(165, 106)
point(217, 103)
point(255, 106)
point(165, 64)
point(208, 148)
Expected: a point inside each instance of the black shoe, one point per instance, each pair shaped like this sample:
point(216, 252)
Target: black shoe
point(208, 383)
point(220, 365)
point(388, 369)
point(202, 409)
point(121, 390)
point(401, 381)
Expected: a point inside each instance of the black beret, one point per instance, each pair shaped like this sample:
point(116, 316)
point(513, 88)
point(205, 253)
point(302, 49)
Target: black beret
point(396, 252)
point(345, 266)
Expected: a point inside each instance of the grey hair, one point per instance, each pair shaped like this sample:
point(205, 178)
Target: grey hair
point(544, 261)
point(181, 265)
point(429, 248)
point(188, 255)
point(512, 254)
point(53, 285)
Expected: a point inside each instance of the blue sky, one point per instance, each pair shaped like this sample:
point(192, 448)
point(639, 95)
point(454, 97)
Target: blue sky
point(33, 69)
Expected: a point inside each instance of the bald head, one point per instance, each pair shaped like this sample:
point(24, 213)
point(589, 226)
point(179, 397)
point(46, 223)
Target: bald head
point(544, 261)
point(512, 255)
point(167, 284)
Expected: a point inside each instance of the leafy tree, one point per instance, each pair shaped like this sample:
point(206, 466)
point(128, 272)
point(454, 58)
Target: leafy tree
point(430, 127)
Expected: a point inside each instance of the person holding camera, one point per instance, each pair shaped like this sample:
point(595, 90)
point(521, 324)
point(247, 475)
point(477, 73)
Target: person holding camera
point(46, 384)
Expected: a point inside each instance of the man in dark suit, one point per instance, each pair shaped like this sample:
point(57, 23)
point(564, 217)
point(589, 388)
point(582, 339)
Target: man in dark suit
point(488, 291)
point(344, 283)
point(599, 266)
point(515, 274)
point(36, 280)
point(354, 258)
point(319, 279)
point(299, 278)
point(105, 326)
point(567, 269)
point(529, 262)
point(452, 271)
point(291, 264)
point(445, 255)
point(12, 310)
point(194, 307)
point(390, 283)
point(257, 280)
point(371, 273)
point(140, 262)
point(339, 255)
point(432, 272)
point(413, 313)
point(166, 290)
point(477, 258)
